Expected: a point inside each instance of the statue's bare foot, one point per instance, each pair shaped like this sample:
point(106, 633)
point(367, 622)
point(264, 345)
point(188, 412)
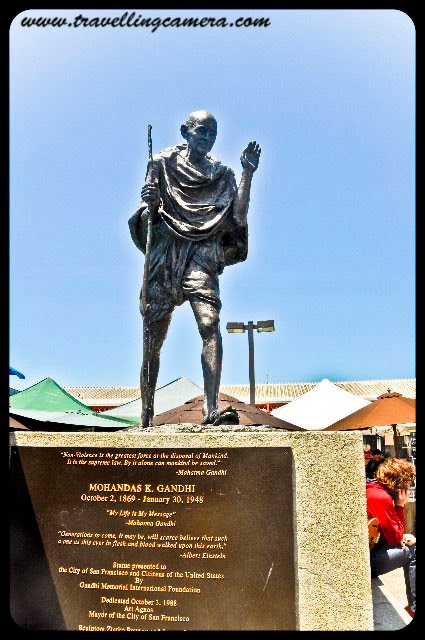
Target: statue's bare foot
point(211, 417)
point(228, 415)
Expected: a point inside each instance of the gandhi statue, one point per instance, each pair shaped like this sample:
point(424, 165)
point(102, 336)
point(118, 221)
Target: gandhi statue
point(199, 226)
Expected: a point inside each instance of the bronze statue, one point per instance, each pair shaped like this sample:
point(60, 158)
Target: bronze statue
point(198, 226)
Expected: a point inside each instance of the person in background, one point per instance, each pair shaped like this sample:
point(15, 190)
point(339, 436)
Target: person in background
point(386, 496)
point(373, 463)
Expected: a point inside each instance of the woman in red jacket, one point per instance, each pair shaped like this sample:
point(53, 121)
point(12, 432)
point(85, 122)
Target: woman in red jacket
point(386, 497)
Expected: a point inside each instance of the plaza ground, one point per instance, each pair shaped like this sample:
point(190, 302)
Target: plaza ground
point(389, 600)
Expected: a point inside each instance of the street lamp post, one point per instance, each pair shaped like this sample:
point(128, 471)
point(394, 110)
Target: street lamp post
point(240, 327)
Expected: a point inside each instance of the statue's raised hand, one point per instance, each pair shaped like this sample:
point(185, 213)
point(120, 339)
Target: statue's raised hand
point(251, 156)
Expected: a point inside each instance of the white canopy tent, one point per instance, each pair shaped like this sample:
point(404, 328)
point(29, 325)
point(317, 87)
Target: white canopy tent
point(320, 407)
point(167, 397)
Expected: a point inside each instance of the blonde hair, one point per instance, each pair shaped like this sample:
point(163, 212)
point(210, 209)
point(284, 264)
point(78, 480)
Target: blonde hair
point(396, 474)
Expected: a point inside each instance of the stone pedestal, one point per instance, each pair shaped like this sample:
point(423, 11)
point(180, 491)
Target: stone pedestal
point(184, 527)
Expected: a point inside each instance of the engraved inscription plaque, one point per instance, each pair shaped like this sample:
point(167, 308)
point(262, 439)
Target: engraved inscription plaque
point(152, 539)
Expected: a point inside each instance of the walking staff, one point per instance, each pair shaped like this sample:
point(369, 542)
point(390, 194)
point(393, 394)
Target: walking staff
point(145, 387)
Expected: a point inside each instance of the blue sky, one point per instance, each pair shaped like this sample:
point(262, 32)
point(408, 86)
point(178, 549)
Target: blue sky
point(328, 94)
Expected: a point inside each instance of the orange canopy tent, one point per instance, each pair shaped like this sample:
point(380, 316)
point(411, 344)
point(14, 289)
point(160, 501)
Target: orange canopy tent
point(388, 409)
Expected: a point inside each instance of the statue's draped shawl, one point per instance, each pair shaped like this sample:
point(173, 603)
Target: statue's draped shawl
point(194, 207)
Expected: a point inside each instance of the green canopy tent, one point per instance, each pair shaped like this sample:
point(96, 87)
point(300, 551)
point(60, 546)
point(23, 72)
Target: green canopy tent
point(36, 420)
point(47, 395)
point(47, 407)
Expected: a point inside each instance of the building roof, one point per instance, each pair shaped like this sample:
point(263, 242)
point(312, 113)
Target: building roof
point(288, 391)
point(105, 396)
point(274, 393)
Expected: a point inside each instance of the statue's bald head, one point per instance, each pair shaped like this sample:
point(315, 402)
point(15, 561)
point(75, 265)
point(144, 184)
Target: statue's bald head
point(200, 132)
point(199, 116)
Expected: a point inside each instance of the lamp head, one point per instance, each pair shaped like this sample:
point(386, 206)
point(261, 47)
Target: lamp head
point(235, 327)
point(265, 325)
